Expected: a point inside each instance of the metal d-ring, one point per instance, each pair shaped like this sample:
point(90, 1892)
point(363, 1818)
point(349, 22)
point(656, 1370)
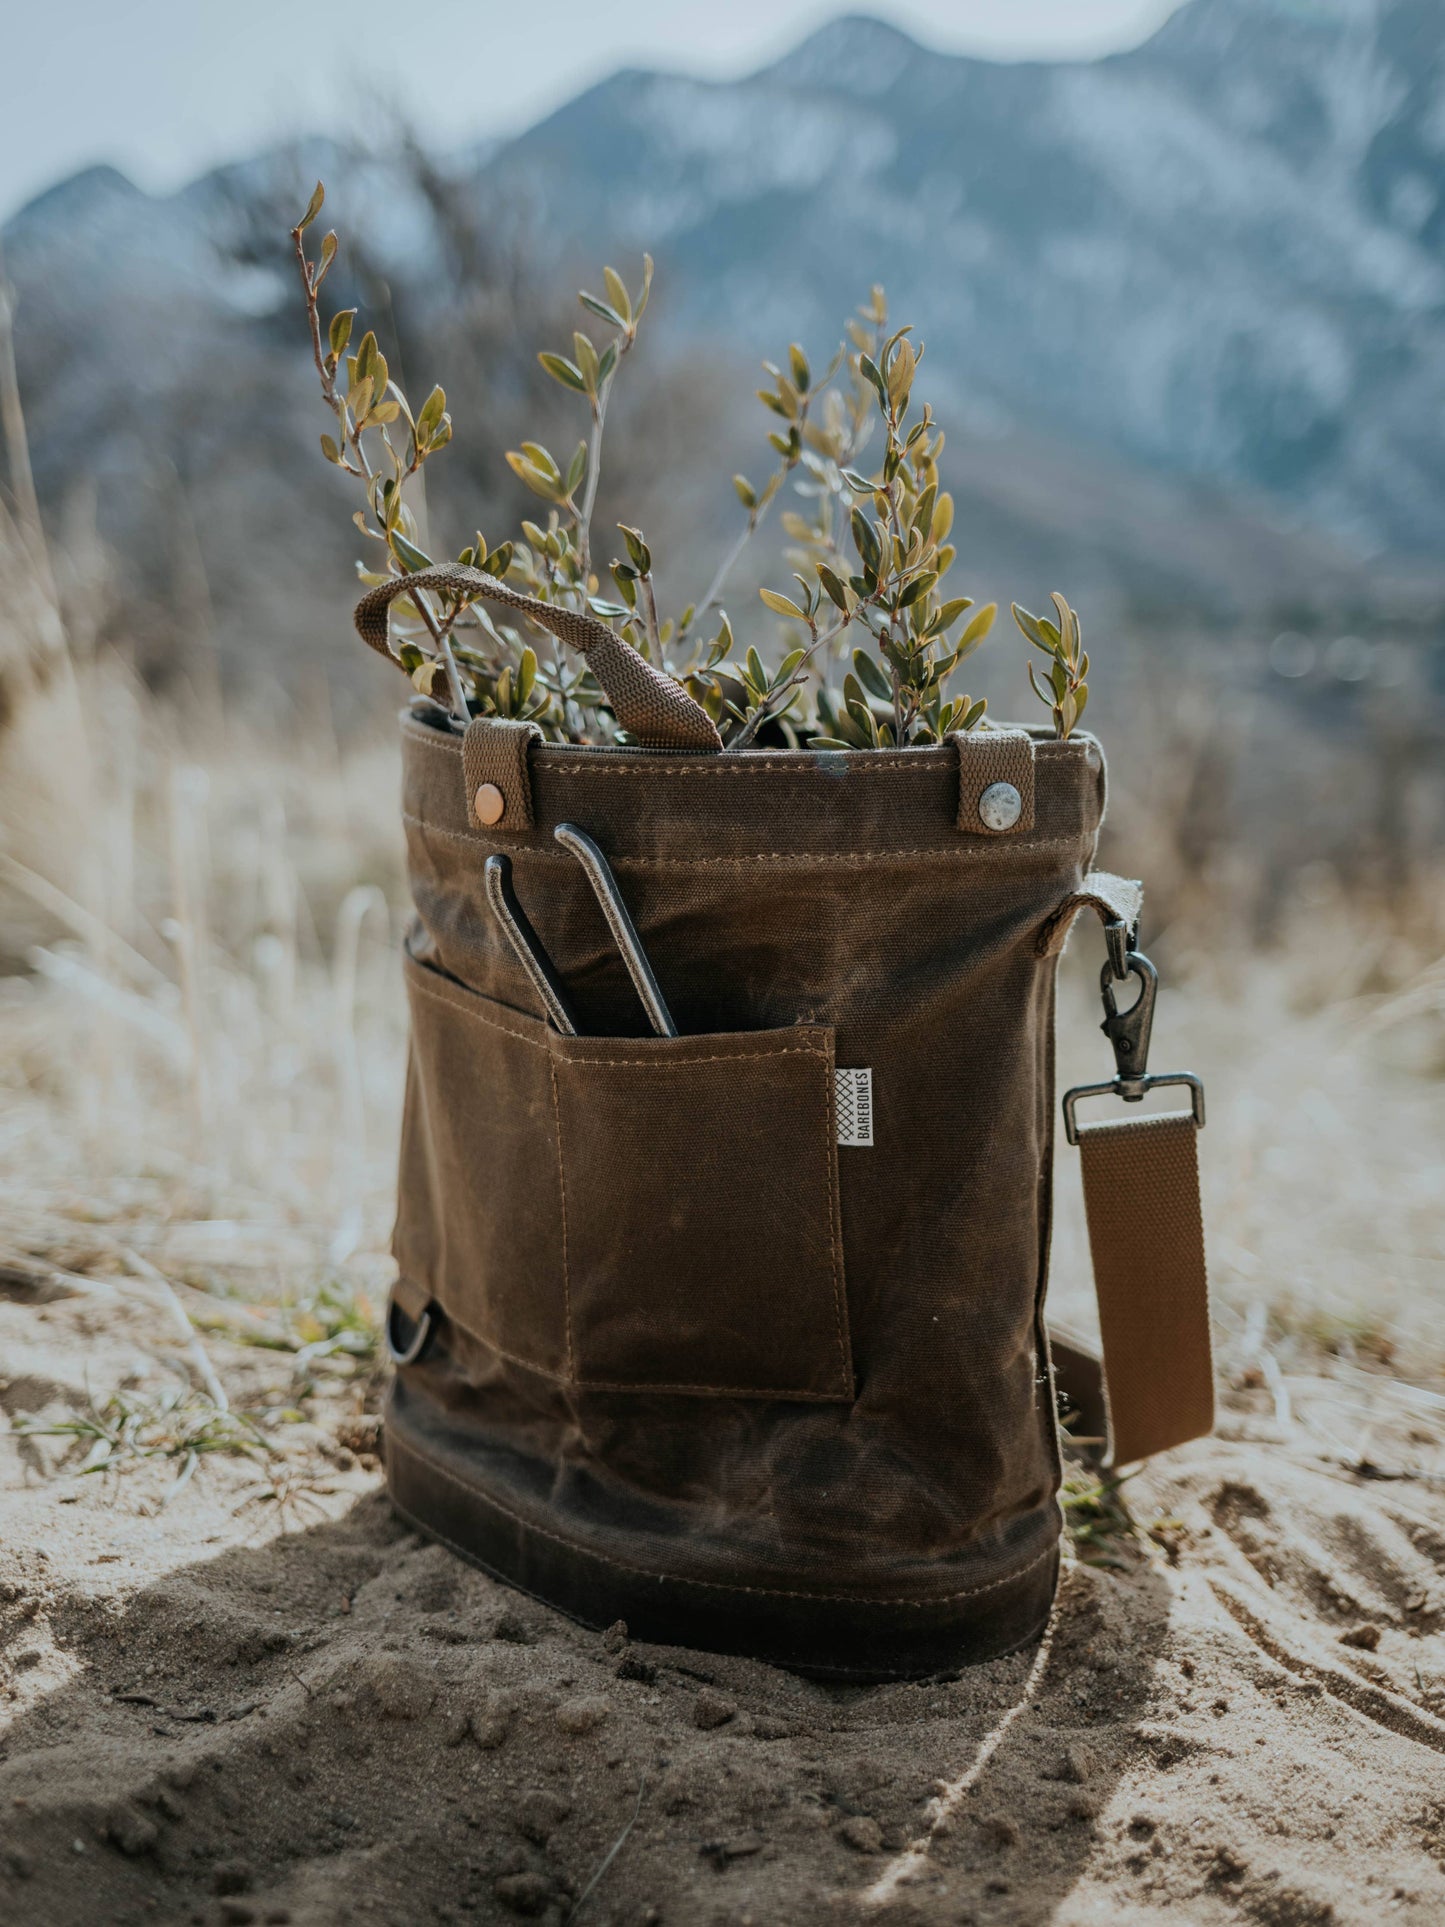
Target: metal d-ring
point(421, 1336)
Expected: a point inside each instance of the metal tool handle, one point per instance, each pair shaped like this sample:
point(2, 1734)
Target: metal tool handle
point(619, 922)
point(524, 940)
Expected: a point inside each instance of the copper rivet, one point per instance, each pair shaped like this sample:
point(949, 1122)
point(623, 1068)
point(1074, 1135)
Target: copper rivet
point(490, 805)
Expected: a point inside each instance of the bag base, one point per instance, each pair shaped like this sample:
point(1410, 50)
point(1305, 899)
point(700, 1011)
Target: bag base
point(442, 1486)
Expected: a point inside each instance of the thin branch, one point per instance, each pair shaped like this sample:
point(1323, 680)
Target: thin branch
point(352, 437)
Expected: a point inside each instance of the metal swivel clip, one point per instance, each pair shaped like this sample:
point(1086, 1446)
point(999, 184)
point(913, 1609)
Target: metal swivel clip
point(1128, 1031)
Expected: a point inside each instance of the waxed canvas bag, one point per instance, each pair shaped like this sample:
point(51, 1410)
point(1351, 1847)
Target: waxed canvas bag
point(713, 1332)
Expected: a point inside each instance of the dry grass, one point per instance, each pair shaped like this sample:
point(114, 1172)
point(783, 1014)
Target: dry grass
point(202, 1065)
point(202, 1034)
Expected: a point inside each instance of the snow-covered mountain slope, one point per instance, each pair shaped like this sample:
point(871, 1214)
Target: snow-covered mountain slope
point(1184, 307)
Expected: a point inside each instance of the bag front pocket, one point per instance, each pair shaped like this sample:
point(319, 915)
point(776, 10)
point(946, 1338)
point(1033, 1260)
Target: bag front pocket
point(702, 1247)
point(629, 1214)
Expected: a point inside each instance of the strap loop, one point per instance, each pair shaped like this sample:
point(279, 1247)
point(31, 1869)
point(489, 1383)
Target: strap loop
point(1146, 1239)
point(649, 705)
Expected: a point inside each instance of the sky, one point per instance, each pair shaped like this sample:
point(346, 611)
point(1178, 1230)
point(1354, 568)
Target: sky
point(163, 89)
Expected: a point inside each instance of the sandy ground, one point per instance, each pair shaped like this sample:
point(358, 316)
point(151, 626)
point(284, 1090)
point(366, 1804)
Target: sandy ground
point(258, 1698)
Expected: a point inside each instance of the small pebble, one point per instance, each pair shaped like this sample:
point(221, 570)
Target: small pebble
point(711, 1709)
point(232, 1877)
point(524, 1893)
point(583, 1714)
point(862, 1833)
point(401, 1689)
point(512, 1629)
point(538, 1814)
point(131, 1831)
point(1365, 1636)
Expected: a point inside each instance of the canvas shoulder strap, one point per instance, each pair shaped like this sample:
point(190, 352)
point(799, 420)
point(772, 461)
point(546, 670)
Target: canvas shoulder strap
point(1153, 1387)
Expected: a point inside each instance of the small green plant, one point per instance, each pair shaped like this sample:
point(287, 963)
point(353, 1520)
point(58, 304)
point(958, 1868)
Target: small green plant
point(870, 547)
point(332, 1323)
point(130, 1427)
point(1097, 1518)
point(1066, 691)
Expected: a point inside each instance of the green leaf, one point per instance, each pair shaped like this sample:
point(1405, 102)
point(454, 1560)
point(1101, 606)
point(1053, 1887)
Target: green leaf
point(918, 587)
point(340, 331)
point(330, 450)
point(526, 674)
point(567, 372)
point(871, 676)
point(868, 368)
point(617, 293)
point(1031, 628)
point(587, 362)
point(951, 611)
point(432, 410)
point(601, 308)
point(865, 540)
point(577, 467)
point(542, 460)
point(837, 594)
point(313, 208)
point(329, 246)
point(549, 487)
point(637, 550)
point(408, 553)
point(780, 604)
point(974, 634)
point(745, 492)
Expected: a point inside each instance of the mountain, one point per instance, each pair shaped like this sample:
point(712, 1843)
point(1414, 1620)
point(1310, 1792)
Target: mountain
point(1184, 307)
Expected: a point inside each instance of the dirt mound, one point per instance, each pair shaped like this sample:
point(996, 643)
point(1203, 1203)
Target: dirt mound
point(266, 1701)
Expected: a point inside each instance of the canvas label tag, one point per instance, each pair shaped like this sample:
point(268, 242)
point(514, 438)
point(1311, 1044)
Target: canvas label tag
point(853, 1100)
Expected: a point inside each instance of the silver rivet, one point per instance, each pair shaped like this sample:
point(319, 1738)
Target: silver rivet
point(1000, 806)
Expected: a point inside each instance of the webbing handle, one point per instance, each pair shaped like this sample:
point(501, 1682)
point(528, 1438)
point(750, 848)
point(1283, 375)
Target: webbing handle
point(649, 705)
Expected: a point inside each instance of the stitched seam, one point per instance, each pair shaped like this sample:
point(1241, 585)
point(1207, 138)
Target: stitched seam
point(732, 768)
point(482, 1338)
point(562, 1187)
point(687, 1063)
point(708, 1585)
point(957, 851)
point(478, 1017)
point(433, 739)
point(772, 1654)
point(830, 1164)
point(643, 1386)
point(713, 765)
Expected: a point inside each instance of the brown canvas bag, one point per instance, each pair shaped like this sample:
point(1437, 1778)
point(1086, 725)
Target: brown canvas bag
point(711, 1333)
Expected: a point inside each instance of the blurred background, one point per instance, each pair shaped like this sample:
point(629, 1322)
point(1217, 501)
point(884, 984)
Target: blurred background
point(1180, 272)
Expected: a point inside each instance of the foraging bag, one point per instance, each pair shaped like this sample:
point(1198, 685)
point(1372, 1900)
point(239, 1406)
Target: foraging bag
point(738, 1335)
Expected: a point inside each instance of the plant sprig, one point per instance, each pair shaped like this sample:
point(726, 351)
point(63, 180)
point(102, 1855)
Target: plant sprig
point(877, 545)
point(1066, 691)
point(871, 547)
